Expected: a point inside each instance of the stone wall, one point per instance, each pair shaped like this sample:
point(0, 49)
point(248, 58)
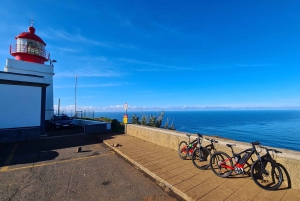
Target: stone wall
point(290, 160)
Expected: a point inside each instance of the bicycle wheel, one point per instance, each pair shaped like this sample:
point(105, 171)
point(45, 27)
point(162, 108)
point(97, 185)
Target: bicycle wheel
point(266, 174)
point(183, 149)
point(221, 164)
point(201, 158)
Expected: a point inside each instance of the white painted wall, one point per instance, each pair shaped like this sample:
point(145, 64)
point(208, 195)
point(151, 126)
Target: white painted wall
point(82, 122)
point(16, 66)
point(20, 106)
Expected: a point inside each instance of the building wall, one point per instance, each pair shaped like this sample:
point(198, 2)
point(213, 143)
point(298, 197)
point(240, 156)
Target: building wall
point(20, 106)
point(47, 71)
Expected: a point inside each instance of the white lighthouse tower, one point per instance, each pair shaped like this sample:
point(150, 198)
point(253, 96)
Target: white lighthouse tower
point(30, 55)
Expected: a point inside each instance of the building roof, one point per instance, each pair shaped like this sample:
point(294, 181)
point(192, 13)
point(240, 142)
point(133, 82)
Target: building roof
point(30, 35)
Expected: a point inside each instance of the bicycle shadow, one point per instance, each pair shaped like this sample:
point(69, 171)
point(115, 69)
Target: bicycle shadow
point(286, 183)
point(286, 178)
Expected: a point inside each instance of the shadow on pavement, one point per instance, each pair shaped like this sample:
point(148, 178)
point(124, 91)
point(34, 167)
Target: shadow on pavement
point(46, 148)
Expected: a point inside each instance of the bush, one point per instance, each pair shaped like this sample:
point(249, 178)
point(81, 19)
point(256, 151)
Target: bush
point(144, 121)
point(135, 119)
point(116, 126)
point(153, 121)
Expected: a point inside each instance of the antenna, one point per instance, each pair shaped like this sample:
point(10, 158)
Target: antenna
point(58, 107)
point(75, 94)
point(31, 21)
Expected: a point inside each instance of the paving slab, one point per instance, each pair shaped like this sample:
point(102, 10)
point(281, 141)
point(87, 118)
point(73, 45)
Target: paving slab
point(185, 179)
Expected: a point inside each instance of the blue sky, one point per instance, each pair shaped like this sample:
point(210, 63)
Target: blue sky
point(165, 55)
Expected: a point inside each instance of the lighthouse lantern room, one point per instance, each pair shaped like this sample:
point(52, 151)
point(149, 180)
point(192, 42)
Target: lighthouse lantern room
point(29, 47)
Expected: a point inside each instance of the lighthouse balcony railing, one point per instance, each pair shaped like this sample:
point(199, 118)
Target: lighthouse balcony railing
point(20, 48)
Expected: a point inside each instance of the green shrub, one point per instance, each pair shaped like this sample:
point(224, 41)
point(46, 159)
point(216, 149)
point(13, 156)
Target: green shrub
point(144, 121)
point(135, 119)
point(116, 126)
point(153, 121)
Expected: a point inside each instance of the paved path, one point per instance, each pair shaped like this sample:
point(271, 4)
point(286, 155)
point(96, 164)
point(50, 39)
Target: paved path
point(184, 179)
point(51, 169)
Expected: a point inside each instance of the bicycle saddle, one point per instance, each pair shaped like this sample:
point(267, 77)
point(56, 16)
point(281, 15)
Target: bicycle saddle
point(230, 145)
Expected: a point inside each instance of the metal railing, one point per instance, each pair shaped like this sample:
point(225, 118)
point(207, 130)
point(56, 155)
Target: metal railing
point(21, 48)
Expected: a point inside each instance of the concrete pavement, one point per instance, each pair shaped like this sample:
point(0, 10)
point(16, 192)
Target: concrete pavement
point(52, 169)
point(165, 166)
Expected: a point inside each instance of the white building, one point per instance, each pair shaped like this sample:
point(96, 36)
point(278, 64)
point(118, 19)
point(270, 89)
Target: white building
point(26, 88)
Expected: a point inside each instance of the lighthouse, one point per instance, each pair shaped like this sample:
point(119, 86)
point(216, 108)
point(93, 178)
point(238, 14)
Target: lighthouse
point(30, 55)
point(26, 89)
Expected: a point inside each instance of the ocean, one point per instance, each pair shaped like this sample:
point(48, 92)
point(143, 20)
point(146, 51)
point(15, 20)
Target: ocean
point(273, 128)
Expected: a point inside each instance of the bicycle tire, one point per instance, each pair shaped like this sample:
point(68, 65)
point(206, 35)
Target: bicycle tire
point(272, 179)
point(183, 149)
point(216, 159)
point(204, 162)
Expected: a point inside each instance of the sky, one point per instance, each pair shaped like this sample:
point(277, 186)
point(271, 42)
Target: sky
point(165, 55)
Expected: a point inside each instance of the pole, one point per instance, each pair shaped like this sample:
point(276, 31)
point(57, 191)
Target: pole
point(75, 114)
point(58, 107)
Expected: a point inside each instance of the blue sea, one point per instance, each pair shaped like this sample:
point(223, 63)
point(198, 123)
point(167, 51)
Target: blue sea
point(274, 128)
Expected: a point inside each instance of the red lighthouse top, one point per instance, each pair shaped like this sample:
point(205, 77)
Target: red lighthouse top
point(29, 47)
point(30, 35)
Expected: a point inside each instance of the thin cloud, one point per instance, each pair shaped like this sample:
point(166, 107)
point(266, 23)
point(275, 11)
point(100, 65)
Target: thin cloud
point(89, 72)
point(252, 65)
point(154, 64)
point(121, 19)
point(92, 85)
point(78, 38)
point(92, 58)
point(72, 97)
point(61, 49)
point(165, 28)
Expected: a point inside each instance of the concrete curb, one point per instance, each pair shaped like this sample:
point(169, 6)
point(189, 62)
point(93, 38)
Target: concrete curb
point(154, 176)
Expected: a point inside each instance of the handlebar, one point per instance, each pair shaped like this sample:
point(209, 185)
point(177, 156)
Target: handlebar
point(274, 150)
point(199, 135)
point(255, 143)
point(212, 140)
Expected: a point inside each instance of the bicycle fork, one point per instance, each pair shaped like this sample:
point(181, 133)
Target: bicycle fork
point(201, 156)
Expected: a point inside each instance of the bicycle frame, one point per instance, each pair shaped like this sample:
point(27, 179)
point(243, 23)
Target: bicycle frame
point(194, 145)
point(189, 150)
point(199, 138)
point(239, 165)
point(211, 146)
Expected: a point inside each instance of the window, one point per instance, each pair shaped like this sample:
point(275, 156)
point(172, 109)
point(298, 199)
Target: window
point(32, 48)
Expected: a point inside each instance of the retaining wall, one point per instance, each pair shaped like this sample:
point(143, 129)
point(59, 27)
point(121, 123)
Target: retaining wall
point(92, 126)
point(290, 160)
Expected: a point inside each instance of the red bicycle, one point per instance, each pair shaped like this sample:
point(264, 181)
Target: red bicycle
point(186, 149)
point(200, 155)
point(264, 171)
